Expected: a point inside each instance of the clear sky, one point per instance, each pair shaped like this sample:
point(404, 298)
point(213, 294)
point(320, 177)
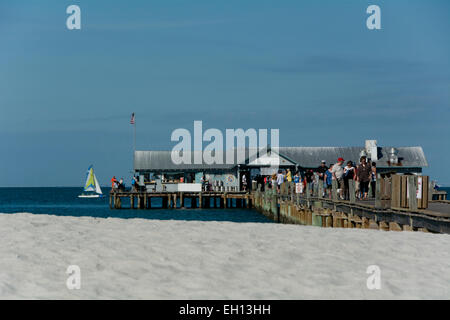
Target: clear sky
point(309, 68)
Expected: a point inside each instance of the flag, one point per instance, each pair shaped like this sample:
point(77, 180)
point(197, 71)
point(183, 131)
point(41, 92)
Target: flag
point(132, 119)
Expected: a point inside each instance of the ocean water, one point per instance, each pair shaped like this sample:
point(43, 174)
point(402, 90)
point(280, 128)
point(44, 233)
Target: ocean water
point(65, 202)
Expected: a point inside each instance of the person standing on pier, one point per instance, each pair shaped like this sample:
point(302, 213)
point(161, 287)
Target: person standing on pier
point(274, 181)
point(114, 183)
point(363, 174)
point(280, 180)
point(321, 173)
point(244, 182)
point(121, 185)
point(349, 174)
point(338, 175)
point(298, 185)
point(289, 175)
point(134, 184)
point(328, 180)
point(309, 176)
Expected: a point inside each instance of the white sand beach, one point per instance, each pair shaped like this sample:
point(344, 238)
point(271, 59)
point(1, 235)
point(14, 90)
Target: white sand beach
point(152, 259)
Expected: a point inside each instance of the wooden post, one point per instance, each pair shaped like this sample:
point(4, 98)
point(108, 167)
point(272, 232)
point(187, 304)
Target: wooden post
point(315, 189)
point(422, 202)
point(320, 189)
point(274, 206)
point(117, 202)
point(139, 201)
point(394, 226)
point(384, 226)
point(334, 194)
point(403, 190)
point(294, 191)
point(395, 191)
point(181, 200)
point(308, 192)
point(378, 193)
point(200, 201)
point(351, 191)
point(131, 202)
point(412, 186)
point(282, 188)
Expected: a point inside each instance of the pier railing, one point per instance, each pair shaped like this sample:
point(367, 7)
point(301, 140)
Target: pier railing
point(313, 208)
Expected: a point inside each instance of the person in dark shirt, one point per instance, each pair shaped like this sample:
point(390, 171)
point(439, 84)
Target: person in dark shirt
point(349, 174)
point(363, 175)
point(322, 169)
point(309, 176)
point(321, 172)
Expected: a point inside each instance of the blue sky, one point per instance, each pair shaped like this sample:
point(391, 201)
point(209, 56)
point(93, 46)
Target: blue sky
point(310, 68)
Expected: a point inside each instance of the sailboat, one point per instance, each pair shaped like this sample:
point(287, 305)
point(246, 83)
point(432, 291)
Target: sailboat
point(91, 187)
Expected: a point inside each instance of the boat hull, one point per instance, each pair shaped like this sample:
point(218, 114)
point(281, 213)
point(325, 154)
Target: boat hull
point(90, 196)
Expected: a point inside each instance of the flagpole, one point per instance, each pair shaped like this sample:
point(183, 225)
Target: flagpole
point(133, 122)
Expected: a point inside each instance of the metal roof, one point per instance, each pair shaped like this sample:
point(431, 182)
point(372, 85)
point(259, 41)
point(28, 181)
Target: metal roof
point(309, 157)
point(162, 160)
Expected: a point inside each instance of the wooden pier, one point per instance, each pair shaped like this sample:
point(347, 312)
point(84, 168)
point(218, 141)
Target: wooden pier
point(396, 208)
point(287, 206)
point(181, 200)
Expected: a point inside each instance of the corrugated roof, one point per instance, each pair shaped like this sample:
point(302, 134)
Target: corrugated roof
point(162, 160)
point(310, 157)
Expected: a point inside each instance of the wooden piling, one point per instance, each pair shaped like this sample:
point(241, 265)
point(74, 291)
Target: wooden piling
point(412, 193)
point(131, 202)
point(351, 191)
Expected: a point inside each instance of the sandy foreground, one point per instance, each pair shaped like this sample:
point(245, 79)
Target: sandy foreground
point(153, 259)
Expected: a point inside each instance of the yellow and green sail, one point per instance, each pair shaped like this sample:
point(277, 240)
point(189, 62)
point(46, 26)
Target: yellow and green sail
point(90, 180)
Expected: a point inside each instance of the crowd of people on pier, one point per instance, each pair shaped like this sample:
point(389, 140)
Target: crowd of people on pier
point(307, 180)
point(364, 175)
point(119, 185)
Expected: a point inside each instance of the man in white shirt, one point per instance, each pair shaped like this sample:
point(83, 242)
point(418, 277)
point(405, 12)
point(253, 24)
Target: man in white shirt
point(338, 175)
point(280, 179)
